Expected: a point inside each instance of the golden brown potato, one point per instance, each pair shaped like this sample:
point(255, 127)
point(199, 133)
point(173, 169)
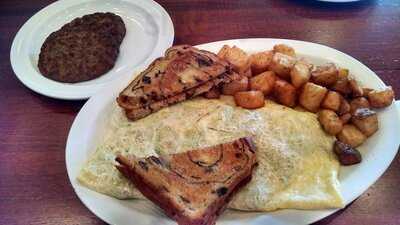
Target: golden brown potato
point(330, 121)
point(281, 64)
point(342, 72)
point(263, 82)
point(285, 93)
point(356, 90)
point(213, 93)
point(358, 103)
point(300, 74)
point(342, 84)
point(351, 135)
point(247, 73)
point(346, 154)
point(345, 118)
point(366, 91)
point(249, 99)
point(344, 107)
point(380, 99)
point(311, 96)
point(237, 57)
point(326, 75)
point(284, 49)
point(366, 120)
point(260, 61)
point(332, 101)
point(237, 85)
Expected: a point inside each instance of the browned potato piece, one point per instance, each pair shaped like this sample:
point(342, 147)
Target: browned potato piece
point(237, 85)
point(285, 93)
point(249, 99)
point(345, 118)
point(237, 57)
point(213, 93)
point(356, 90)
point(311, 96)
point(326, 75)
point(380, 99)
point(366, 120)
point(284, 49)
point(342, 84)
point(366, 91)
point(332, 101)
point(346, 154)
point(260, 61)
point(330, 121)
point(281, 64)
point(351, 135)
point(300, 74)
point(358, 103)
point(344, 107)
point(247, 73)
point(263, 82)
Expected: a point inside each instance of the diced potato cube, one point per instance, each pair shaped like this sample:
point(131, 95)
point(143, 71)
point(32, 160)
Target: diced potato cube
point(326, 75)
point(249, 99)
point(300, 74)
point(284, 49)
point(332, 101)
point(281, 64)
point(237, 57)
point(342, 84)
point(356, 90)
point(344, 107)
point(366, 120)
point(263, 82)
point(366, 91)
point(285, 93)
point(311, 96)
point(235, 86)
point(358, 103)
point(380, 99)
point(345, 118)
point(346, 154)
point(330, 121)
point(351, 135)
point(260, 61)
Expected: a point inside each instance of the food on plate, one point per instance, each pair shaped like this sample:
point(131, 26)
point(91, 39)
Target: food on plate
point(366, 91)
point(330, 121)
point(212, 93)
point(358, 103)
point(285, 93)
point(282, 64)
point(184, 72)
point(351, 135)
point(260, 61)
point(249, 99)
point(237, 57)
point(300, 74)
point(345, 118)
point(365, 120)
point(193, 187)
point(332, 101)
point(292, 161)
point(342, 84)
point(311, 96)
point(355, 88)
point(344, 107)
point(242, 84)
point(381, 98)
point(325, 75)
point(284, 49)
point(83, 49)
point(346, 154)
point(263, 82)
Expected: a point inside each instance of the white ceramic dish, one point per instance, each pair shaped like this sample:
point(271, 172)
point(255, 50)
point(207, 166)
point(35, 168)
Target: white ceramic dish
point(149, 31)
point(378, 151)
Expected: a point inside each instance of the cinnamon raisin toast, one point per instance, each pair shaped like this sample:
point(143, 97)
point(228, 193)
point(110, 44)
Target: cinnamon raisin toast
point(184, 72)
point(194, 187)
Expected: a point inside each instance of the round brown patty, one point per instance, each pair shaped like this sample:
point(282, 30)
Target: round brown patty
point(83, 49)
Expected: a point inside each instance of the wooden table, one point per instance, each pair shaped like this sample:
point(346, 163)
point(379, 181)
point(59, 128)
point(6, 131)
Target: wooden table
point(34, 187)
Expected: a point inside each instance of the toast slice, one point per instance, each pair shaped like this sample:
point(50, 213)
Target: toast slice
point(184, 72)
point(193, 187)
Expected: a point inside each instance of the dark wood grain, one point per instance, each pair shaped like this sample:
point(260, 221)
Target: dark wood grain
point(34, 187)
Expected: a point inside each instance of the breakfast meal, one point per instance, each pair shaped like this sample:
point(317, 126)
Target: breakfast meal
point(193, 187)
point(83, 49)
point(188, 131)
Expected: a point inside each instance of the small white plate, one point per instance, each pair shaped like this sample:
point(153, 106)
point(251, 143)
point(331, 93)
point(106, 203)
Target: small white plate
point(378, 151)
point(149, 32)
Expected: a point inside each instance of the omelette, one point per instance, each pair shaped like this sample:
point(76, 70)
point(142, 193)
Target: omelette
point(297, 167)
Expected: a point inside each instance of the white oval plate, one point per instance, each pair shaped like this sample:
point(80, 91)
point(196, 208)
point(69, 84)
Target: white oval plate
point(149, 32)
point(378, 151)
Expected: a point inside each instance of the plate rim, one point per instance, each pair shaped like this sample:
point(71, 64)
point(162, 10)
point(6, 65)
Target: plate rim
point(315, 215)
point(165, 40)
